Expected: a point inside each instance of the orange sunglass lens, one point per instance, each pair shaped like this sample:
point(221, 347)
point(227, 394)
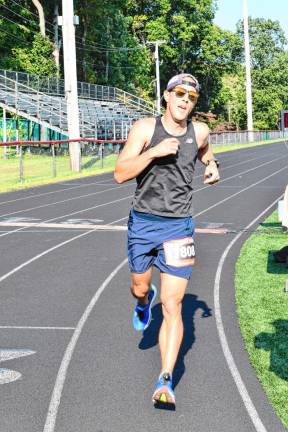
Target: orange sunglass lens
point(180, 93)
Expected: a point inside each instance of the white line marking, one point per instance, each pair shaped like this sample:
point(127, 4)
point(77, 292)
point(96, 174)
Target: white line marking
point(61, 376)
point(223, 340)
point(240, 173)
point(101, 183)
point(36, 328)
point(70, 214)
point(8, 375)
point(66, 200)
point(11, 354)
point(47, 251)
point(65, 225)
point(116, 187)
point(237, 193)
point(129, 196)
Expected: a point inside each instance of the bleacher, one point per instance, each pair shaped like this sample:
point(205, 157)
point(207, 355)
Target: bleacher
point(104, 112)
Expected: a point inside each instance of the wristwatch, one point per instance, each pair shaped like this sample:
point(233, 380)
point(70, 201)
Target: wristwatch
point(212, 160)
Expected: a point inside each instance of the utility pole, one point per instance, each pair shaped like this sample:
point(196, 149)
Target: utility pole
point(156, 57)
point(68, 21)
point(248, 71)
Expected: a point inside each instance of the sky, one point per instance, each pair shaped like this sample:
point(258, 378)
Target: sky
point(230, 11)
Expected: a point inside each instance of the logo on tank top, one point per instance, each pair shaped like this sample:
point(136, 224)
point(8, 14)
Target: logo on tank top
point(189, 140)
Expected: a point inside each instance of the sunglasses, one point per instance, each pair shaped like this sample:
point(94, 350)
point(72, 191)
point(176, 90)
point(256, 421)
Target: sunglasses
point(180, 93)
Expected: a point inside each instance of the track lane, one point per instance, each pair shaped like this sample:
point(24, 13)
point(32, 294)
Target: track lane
point(152, 354)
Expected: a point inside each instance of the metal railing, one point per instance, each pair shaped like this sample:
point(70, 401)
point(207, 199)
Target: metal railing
point(103, 120)
point(245, 137)
point(56, 86)
point(41, 160)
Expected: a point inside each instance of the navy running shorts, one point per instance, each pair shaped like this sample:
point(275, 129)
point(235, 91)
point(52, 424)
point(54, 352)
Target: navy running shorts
point(152, 238)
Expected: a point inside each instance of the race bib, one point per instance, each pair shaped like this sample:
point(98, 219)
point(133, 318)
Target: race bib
point(180, 252)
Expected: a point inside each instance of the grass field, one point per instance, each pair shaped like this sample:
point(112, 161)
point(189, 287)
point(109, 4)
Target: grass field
point(262, 307)
point(224, 148)
point(38, 170)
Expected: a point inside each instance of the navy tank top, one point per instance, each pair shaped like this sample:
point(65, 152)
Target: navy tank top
point(164, 187)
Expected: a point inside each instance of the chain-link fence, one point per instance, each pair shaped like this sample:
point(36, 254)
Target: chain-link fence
point(37, 162)
point(245, 137)
point(32, 163)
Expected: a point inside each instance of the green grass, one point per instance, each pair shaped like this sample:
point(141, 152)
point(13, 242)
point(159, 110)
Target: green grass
point(223, 148)
point(262, 307)
point(38, 170)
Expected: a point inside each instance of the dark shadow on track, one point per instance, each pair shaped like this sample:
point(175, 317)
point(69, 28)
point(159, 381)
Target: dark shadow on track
point(150, 336)
point(277, 344)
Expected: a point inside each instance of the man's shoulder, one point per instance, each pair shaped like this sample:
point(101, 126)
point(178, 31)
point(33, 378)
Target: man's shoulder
point(201, 128)
point(201, 133)
point(145, 123)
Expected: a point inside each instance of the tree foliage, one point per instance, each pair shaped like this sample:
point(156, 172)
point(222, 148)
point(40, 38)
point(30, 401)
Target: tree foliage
point(112, 43)
point(37, 60)
point(269, 69)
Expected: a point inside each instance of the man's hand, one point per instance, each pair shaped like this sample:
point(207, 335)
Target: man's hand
point(166, 147)
point(211, 174)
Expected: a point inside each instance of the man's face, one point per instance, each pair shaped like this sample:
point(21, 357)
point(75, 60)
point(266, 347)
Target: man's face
point(181, 100)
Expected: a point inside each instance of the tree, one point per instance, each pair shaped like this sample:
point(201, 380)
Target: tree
point(37, 60)
point(219, 54)
point(269, 71)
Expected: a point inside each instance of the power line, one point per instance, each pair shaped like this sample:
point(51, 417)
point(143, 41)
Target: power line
point(14, 22)
point(32, 13)
point(15, 37)
point(93, 45)
point(118, 49)
point(37, 16)
point(87, 62)
point(15, 13)
point(85, 47)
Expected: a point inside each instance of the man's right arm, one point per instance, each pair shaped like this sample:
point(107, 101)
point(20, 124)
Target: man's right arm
point(131, 162)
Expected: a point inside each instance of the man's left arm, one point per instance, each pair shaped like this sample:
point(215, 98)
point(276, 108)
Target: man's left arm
point(205, 154)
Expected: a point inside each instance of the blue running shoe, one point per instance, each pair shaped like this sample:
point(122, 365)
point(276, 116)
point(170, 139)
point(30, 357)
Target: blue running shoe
point(163, 396)
point(142, 314)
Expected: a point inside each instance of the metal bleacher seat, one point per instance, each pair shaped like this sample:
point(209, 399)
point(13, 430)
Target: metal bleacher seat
point(104, 112)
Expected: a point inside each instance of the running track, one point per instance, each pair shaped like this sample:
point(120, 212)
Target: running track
point(65, 310)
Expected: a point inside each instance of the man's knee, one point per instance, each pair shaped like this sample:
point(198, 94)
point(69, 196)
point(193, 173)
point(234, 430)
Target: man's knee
point(171, 307)
point(139, 288)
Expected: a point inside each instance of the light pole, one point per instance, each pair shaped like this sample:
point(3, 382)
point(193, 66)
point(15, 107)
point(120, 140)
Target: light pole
point(68, 22)
point(156, 56)
point(248, 71)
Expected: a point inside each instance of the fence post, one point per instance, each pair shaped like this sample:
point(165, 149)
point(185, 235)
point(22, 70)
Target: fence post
point(4, 133)
point(53, 160)
point(20, 164)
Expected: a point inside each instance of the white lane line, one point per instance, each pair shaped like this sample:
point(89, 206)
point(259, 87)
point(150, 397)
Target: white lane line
point(117, 187)
point(241, 173)
point(101, 183)
point(70, 214)
point(47, 251)
point(66, 200)
point(61, 376)
point(237, 193)
point(36, 328)
point(222, 336)
point(65, 226)
point(129, 196)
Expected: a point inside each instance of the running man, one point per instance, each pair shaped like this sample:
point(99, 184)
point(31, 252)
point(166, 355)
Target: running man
point(161, 154)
